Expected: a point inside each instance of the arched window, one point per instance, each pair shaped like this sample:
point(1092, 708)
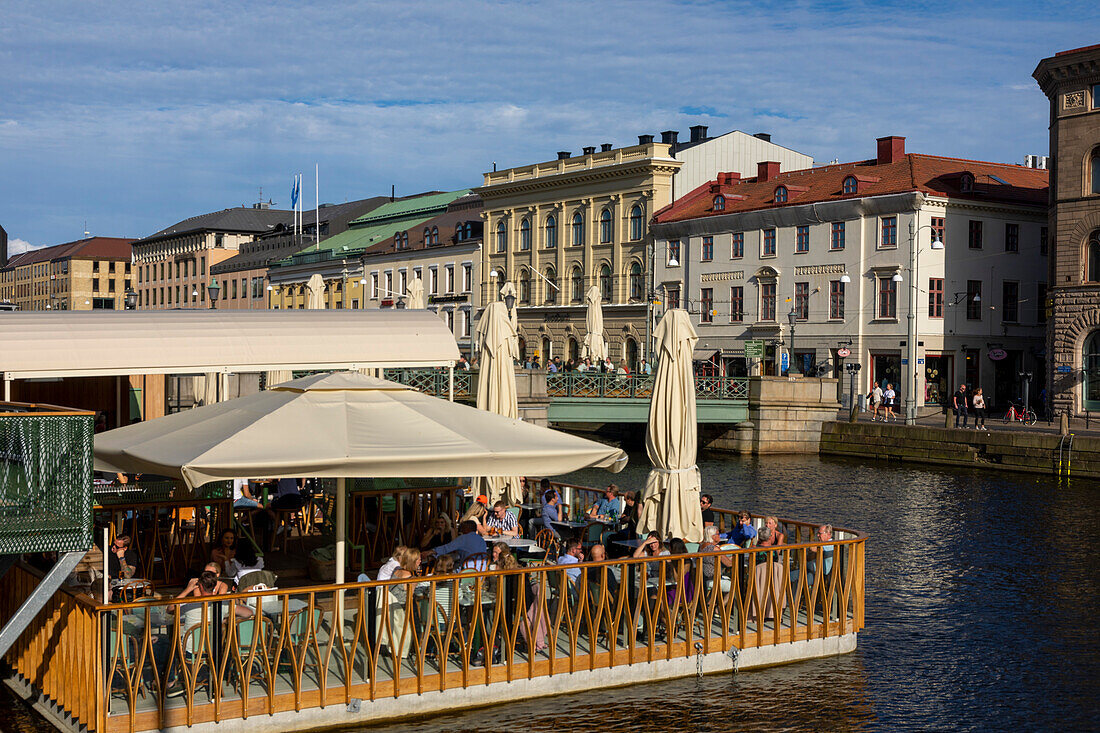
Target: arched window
point(551, 285)
point(1090, 363)
point(435, 235)
point(397, 240)
point(427, 235)
point(405, 240)
point(1094, 163)
point(605, 226)
point(497, 283)
point(551, 232)
point(780, 194)
point(524, 286)
point(574, 349)
point(525, 235)
point(577, 279)
point(468, 230)
point(719, 203)
point(1092, 258)
point(630, 354)
point(605, 282)
point(459, 233)
point(966, 183)
point(850, 185)
point(637, 223)
point(502, 237)
point(637, 287)
point(578, 229)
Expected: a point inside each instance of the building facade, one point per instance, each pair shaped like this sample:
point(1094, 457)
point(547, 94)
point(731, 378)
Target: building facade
point(339, 259)
point(444, 253)
point(88, 274)
point(1071, 81)
point(173, 265)
point(833, 248)
point(243, 277)
point(555, 229)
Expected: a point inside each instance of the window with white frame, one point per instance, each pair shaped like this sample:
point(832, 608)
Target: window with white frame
point(450, 278)
point(374, 285)
point(467, 277)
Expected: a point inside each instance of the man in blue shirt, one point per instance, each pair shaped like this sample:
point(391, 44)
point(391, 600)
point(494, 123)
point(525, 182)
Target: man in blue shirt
point(608, 504)
point(469, 542)
point(573, 555)
point(744, 533)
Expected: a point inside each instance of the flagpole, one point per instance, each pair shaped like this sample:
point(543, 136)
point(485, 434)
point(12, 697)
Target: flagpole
point(317, 204)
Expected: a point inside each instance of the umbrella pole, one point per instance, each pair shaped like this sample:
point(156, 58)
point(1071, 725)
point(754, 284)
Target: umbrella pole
point(451, 383)
point(341, 559)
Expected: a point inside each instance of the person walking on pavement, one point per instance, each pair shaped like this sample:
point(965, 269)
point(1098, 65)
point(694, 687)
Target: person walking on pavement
point(876, 401)
point(889, 397)
point(977, 401)
point(958, 401)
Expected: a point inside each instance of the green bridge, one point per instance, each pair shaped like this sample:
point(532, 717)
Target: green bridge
point(592, 397)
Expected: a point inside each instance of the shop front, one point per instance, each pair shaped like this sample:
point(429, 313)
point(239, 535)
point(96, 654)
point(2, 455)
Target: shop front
point(938, 379)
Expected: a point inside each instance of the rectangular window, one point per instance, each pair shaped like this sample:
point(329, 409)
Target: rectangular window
point(177, 271)
point(836, 300)
point(935, 297)
point(939, 231)
point(707, 253)
point(1010, 301)
point(1041, 306)
point(234, 289)
point(975, 234)
point(202, 265)
point(1043, 241)
point(887, 297)
point(433, 280)
point(402, 281)
point(889, 232)
point(388, 284)
point(451, 321)
point(767, 301)
point(467, 277)
point(418, 274)
point(837, 240)
point(974, 300)
point(95, 285)
point(802, 301)
point(706, 305)
point(450, 278)
point(1012, 237)
point(737, 249)
point(802, 239)
point(737, 304)
point(673, 297)
point(673, 252)
point(374, 286)
point(768, 249)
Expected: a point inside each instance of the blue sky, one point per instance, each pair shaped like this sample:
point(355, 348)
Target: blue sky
point(133, 115)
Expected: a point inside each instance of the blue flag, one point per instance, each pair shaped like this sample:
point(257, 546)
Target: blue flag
point(294, 193)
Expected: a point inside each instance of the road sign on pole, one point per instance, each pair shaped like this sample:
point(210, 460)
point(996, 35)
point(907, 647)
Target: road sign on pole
point(754, 349)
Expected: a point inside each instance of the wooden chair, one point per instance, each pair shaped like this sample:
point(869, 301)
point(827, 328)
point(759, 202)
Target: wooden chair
point(254, 640)
point(548, 541)
point(592, 535)
point(477, 561)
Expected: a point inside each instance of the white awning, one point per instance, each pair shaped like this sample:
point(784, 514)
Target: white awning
point(110, 343)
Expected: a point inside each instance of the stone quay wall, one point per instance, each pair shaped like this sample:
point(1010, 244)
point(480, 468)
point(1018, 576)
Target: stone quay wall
point(785, 416)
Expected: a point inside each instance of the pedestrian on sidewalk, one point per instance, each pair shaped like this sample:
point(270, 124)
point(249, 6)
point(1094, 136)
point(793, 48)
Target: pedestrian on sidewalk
point(889, 400)
point(876, 401)
point(977, 401)
point(958, 401)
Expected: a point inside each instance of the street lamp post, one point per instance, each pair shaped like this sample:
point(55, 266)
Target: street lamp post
point(213, 289)
point(911, 340)
point(131, 299)
point(793, 367)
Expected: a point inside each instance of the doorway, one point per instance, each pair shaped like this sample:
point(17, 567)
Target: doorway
point(886, 369)
point(1006, 379)
point(938, 379)
point(631, 349)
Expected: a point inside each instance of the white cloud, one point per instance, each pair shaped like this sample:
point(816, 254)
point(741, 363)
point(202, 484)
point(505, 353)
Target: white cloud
point(19, 246)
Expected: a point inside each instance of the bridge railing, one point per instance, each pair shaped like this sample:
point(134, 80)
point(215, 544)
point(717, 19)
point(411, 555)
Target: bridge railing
point(435, 381)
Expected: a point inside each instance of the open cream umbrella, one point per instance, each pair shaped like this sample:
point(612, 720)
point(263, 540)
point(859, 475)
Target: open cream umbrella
point(343, 425)
point(416, 294)
point(496, 387)
point(670, 501)
point(594, 346)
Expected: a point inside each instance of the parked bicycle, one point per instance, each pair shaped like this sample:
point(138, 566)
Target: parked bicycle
point(1017, 412)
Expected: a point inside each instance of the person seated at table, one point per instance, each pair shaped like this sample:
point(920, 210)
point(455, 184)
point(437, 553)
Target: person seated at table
point(244, 562)
point(468, 542)
point(710, 543)
point(500, 522)
point(192, 587)
point(242, 495)
point(444, 590)
point(544, 486)
point(574, 553)
point(598, 553)
point(768, 536)
point(705, 503)
point(651, 547)
point(551, 512)
point(608, 507)
point(503, 557)
point(824, 534)
point(386, 571)
point(225, 550)
point(288, 498)
point(121, 560)
point(440, 533)
point(477, 510)
point(680, 574)
point(744, 534)
point(395, 599)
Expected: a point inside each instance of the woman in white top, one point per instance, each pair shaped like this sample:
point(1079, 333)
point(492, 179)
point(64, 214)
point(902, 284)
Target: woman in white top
point(978, 403)
point(244, 562)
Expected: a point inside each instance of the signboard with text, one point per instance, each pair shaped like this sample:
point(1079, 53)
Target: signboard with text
point(754, 349)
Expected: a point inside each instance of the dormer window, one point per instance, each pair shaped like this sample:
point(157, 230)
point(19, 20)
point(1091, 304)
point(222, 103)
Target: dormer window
point(780, 195)
point(719, 203)
point(850, 185)
point(966, 183)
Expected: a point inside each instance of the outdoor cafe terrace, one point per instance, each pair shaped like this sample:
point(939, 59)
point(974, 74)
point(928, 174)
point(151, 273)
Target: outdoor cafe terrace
point(329, 655)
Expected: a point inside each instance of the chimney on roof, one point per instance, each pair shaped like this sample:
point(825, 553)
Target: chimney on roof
point(766, 170)
point(605, 147)
point(765, 136)
point(3, 248)
point(645, 139)
point(668, 137)
point(728, 179)
point(589, 150)
point(698, 133)
point(890, 149)
point(563, 154)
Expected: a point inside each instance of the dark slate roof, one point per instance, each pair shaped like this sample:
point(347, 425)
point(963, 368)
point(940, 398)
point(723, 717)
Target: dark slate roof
point(241, 219)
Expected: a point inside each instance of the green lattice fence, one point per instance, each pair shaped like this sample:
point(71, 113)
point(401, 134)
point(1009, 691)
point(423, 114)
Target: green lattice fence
point(45, 482)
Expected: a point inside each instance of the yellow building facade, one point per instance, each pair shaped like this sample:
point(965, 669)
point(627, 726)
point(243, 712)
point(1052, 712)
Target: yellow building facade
point(88, 274)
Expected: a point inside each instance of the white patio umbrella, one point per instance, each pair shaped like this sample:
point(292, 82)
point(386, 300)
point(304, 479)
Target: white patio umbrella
point(496, 387)
point(210, 388)
point(670, 501)
point(343, 425)
point(594, 346)
point(416, 294)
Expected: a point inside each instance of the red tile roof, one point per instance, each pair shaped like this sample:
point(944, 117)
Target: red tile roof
point(99, 248)
point(1075, 50)
point(928, 174)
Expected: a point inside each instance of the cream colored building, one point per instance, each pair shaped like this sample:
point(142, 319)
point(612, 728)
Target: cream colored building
point(88, 274)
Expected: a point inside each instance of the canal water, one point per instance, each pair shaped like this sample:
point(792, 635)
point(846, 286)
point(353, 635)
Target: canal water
point(983, 612)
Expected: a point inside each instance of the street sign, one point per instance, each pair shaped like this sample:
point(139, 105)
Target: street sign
point(904, 361)
point(843, 352)
point(998, 354)
point(754, 349)
point(784, 361)
point(920, 361)
point(1063, 369)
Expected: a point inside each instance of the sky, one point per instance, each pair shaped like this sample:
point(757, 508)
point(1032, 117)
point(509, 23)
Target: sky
point(123, 118)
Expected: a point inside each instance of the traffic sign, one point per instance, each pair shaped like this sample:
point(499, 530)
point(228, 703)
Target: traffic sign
point(1063, 369)
point(754, 349)
point(843, 352)
point(784, 361)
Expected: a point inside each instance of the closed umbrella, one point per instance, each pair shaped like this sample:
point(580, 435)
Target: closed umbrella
point(210, 388)
point(594, 346)
point(416, 294)
point(496, 387)
point(315, 299)
point(670, 501)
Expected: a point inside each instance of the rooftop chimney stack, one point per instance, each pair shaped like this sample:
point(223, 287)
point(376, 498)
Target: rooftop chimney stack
point(3, 248)
point(766, 170)
point(668, 137)
point(728, 179)
point(645, 139)
point(563, 154)
point(605, 147)
point(765, 136)
point(698, 133)
point(589, 150)
point(891, 149)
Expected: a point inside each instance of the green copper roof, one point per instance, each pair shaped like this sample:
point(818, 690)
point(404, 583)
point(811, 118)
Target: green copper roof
point(432, 202)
